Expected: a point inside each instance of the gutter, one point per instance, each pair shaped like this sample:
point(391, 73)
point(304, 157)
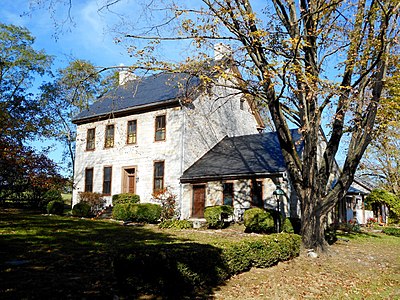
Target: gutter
point(206, 178)
point(128, 111)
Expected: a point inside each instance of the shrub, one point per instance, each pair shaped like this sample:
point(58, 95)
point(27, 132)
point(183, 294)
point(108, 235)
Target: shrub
point(55, 207)
point(258, 220)
point(122, 211)
point(81, 209)
point(147, 213)
point(391, 231)
point(50, 195)
point(176, 224)
point(167, 199)
point(95, 201)
point(142, 213)
point(287, 226)
point(215, 215)
point(125, 198)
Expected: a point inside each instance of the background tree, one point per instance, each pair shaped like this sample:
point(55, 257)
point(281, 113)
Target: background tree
point(74, 88)
point(382, 160)
point(312, 63)
point(23, 117)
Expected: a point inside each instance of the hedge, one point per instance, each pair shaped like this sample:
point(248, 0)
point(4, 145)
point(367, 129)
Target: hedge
point(176, 224)
point(142, 213)
point(180, 270)
point(391, 231)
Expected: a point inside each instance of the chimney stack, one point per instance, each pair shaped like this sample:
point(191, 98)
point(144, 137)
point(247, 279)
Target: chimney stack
point(222, 51)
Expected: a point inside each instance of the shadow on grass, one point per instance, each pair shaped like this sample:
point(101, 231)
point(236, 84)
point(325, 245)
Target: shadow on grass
point(48, 257)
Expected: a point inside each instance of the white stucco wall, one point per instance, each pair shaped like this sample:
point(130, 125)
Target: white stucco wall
point(140, 155)
point(191, 131)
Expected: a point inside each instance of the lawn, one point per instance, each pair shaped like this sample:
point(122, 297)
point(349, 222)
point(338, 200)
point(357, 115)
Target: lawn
point(49, 257)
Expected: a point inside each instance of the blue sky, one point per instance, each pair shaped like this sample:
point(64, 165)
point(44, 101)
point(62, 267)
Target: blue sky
point(87, 37)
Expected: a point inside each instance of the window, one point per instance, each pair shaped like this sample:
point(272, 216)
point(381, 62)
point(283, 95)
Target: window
point(109, 139)
point(158, 176)
point(89, 180)
point(228, 193)
point(131, 133)
point(160, 128)
point(90, 139)
point(257, 194)
point(107, 174)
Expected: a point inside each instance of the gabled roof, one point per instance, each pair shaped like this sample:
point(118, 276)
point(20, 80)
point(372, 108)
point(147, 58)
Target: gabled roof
point(241, 157)
point(159, 89)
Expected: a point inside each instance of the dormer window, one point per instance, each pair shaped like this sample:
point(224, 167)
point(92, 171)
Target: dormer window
point(160, 128)
point(109, 138)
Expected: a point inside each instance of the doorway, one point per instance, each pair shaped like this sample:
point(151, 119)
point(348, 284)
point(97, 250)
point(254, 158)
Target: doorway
point(199, 199)
point(129, 180)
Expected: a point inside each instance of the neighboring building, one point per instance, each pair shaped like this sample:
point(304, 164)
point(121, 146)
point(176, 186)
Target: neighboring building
point(352, 207)
point(142, 136)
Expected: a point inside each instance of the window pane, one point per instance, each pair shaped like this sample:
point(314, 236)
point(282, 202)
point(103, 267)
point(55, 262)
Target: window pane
point(89, 180)
point(158, 176)
point(160, 128)
point(109, 139)
point(228, 193)
point(131, 139)
point(107, 180)
point(90, 139)
point(257, 190)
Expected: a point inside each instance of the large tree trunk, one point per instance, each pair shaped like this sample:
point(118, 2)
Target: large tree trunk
point(313, 226)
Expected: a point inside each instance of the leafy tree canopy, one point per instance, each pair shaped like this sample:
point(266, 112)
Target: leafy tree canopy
point(22, 116)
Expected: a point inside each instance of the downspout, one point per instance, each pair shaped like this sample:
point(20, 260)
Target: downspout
point(182, 158)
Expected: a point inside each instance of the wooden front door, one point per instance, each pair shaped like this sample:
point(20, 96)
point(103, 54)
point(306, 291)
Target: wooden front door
point(129, 181)
point(199, 199)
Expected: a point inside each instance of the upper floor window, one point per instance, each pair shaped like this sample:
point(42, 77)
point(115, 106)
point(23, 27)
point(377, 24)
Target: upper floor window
point(107, 174)
point(160, 128)
point(90, 138)
point(158, 176)
point(131, 133)
point(109, 138)
point(89, 180)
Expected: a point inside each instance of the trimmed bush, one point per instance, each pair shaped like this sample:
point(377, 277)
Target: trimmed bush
point(287, 226)
point(122, 211)
point(215, 215)
point(142, 213)
point(81, 209)
point(259, 220)
point(55, 207)
point(176, 224)
point(180, 270)
point(125, 198)
point(147, 213)
point(391, 231)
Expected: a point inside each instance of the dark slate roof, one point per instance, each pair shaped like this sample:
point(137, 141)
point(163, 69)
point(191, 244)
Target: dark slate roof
point(240, 157)
point(160, 88)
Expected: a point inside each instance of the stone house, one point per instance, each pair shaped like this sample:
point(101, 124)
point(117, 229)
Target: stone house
point(142, 136)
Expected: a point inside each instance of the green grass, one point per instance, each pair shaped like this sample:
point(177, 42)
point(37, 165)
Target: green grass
point(47, 257)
